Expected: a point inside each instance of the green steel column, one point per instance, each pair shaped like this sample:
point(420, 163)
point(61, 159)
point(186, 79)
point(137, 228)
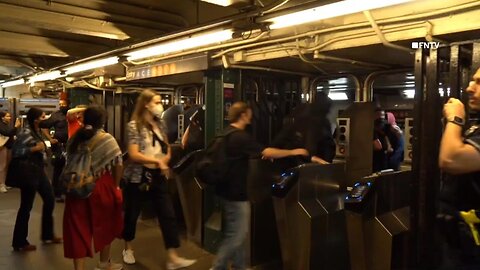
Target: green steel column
point(221, 90)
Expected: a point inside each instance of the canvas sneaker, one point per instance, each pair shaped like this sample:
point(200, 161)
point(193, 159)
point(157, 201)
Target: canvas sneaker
point(109, 266)
point(181, 263)
point(128, 257)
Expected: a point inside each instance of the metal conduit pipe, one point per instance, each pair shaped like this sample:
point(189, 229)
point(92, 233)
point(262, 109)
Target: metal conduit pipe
point(225, 21)
point(275, 6)
point(318, 56)
point(368, 84)
point(198, 28)
point(139, 89)
point(430, 37)
point(200, 50)
point(381, 36)
point(347, 60)
point(317, 47)
point(314, 82)
point(271, 70)
point(448, 10)
point(367, 34)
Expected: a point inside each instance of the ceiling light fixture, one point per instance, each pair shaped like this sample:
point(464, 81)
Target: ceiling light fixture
point(329, 11)
point(12, 83)
point(338, 96)
point(181, 44)
point(52, 75)
point(223, 3)
point(91, 65)
point(409, 93)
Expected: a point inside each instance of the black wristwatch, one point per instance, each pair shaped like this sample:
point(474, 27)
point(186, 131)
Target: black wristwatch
point(457, 120)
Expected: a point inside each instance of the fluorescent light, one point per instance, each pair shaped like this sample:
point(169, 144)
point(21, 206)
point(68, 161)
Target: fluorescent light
point(12, 83)
point(224, 3)
point(338, 96)
point(338, 86)
point(181, 44)
point(344, 88)
point(91, 65)
point(338, 81)
point(410, 77)
point(410, 93)
point(329, 11)
point(45, 76)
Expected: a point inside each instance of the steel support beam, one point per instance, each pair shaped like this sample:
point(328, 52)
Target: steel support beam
point(18, 44)
point(426, 142)
point(454, 72)
point(70, 23)
point(475, 57)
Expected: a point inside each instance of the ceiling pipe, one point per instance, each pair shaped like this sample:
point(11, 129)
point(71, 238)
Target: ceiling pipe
point(465, 6)
point(275, 6)
point(381, 36)
point(228, 20)
point(226, 64)
point(261, 35)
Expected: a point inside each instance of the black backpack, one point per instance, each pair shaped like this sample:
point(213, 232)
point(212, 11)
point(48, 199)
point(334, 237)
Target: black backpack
point(213, 164)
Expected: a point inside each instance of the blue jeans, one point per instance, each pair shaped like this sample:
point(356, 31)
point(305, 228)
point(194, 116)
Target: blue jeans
point(235, 228)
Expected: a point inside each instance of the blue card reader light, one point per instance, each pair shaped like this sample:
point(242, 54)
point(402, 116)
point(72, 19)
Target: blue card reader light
point(358, 192)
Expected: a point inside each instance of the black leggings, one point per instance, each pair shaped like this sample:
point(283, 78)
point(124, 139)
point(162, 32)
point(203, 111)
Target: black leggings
point(160, 198)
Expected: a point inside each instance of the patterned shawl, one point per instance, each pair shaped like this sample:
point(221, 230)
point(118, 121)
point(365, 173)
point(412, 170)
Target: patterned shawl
point(105, 153)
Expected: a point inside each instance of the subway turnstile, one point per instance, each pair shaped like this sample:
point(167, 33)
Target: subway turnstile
point(191, 193)
point(378, 225)
point(308, 203)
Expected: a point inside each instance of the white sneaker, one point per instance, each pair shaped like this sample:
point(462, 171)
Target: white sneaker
point(182, 263)
point(128, 257)
point(3, 189)
point(109, 266)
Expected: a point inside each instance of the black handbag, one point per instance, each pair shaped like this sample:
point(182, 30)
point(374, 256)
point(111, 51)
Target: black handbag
point(150, 178)
point(23, 173)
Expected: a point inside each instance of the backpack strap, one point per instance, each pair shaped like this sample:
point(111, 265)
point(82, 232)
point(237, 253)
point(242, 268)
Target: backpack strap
point(228, 132)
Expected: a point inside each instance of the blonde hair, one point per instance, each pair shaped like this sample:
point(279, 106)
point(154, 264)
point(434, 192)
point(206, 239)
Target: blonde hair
point(140, 107)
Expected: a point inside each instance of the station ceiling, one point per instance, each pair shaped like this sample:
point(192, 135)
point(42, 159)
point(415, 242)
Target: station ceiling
point(40, 34)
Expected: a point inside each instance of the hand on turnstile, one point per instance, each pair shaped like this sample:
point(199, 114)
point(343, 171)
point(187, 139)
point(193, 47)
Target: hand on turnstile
point(472, 219)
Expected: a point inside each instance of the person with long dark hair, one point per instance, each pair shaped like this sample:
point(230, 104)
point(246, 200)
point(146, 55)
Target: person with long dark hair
point(28, 170)
point(146, 177)
point(7, 133)
point(98, 217)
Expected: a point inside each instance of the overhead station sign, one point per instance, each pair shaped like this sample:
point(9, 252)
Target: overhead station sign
point(164, 68)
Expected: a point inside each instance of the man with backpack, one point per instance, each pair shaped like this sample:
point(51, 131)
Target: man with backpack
point(239, 147)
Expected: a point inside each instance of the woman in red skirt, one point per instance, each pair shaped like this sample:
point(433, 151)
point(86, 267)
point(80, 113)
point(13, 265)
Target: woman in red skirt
point(99, 217)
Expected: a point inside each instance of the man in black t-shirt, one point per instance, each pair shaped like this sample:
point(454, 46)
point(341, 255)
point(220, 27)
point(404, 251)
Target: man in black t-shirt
point(236, 208)
point(460, 158)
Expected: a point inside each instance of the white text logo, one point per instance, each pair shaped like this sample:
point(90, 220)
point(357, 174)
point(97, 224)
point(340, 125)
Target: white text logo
point(425, 45)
